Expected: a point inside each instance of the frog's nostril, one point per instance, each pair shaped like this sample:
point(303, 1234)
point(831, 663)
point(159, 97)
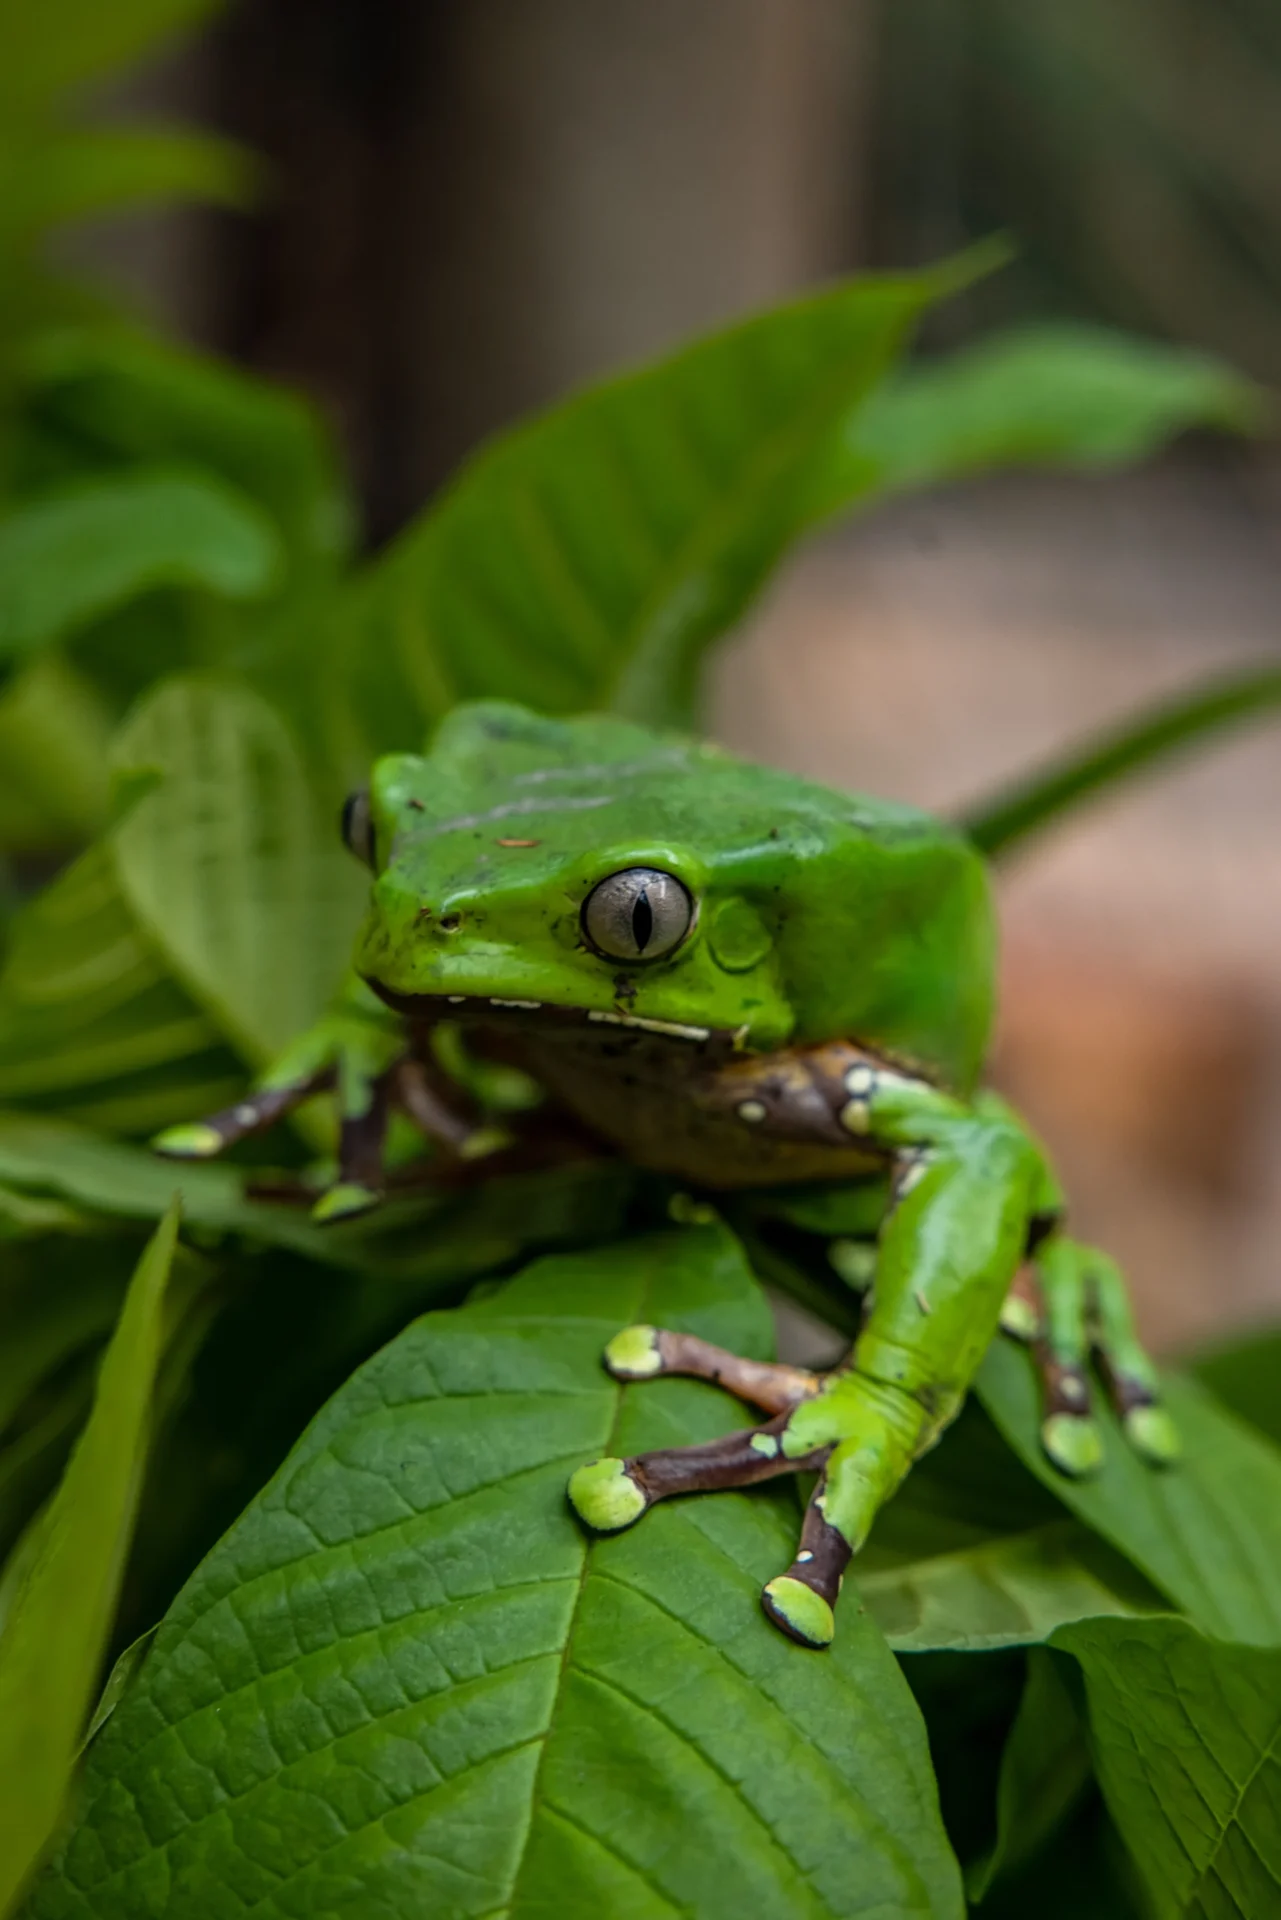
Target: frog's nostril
point(450, 922)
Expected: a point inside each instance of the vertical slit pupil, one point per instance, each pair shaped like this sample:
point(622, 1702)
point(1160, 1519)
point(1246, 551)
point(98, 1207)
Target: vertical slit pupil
point(642, 921)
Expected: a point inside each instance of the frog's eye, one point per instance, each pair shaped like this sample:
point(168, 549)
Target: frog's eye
point(639, 914)
point(358, 825)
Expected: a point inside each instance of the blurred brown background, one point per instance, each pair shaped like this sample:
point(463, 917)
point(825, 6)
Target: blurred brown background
point(471, 205)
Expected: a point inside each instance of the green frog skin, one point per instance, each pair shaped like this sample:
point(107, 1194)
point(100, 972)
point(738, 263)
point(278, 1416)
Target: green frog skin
point(739, 979)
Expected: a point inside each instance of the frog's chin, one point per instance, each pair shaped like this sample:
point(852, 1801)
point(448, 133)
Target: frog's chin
point(495, 1010)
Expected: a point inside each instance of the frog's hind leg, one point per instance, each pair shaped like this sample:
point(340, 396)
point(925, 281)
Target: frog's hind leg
point(1077, 1307)
point(645, 1353)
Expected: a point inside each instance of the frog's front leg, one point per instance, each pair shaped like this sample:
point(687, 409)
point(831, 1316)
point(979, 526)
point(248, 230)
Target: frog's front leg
point(966, 1184)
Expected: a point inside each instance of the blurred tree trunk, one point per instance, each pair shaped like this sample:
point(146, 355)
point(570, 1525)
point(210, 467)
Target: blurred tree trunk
point(477, 203)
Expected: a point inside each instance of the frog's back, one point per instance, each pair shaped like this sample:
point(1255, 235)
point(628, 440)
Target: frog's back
point(879, 914)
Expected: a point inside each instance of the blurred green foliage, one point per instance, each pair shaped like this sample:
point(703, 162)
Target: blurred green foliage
point(195, 664)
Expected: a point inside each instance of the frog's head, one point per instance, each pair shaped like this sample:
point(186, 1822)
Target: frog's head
point(541, 870)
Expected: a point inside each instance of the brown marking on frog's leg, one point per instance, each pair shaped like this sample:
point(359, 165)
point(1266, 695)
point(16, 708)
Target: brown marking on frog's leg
point(820, 1094)
point(802, 1601)
point(644, 1353)
point(609, 1494)
point(202, 1139)
point(1061, 1350)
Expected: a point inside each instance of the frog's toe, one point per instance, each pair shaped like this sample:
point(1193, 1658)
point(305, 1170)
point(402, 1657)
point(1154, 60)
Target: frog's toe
point(202, 1139)
point(643, 1353)
point(1073, 1443)
point(635, 1354)
point(609, 1494)
point(1153, 1434)
point(194, 1140)
point(605, 1496)
point(345, 1201)
point(803, 1614)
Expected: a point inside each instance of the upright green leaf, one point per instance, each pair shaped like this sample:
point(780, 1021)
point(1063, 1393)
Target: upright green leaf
point(233, 871)
point(407, 1681)
point(69, 559)
point(586, 559)
point(1206, 1532)
point(58, 1599)
point(1186, 1737)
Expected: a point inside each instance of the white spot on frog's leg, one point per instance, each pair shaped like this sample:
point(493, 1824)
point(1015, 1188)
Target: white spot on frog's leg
point(860, 1081)
point(804, 1557)
point(855, 1116)
point(766, 1443)
point(245, 1116)
point(456, 999)
point(913, 1171)
point(752, 1111)
point(525, 1006)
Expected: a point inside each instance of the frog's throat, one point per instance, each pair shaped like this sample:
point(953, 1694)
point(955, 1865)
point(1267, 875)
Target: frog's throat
point(492, 1010)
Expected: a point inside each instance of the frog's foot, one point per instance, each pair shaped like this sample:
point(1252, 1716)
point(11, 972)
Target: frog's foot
point(610, 1494)
point(857, 1434)
point(1075, 1306)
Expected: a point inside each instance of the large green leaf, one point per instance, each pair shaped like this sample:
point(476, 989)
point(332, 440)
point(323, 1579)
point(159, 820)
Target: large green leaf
point(586, 559)
point(58, 1597)
point(1186, 1736)
point(1048, 395)
point(1206, 1532)
point(407, 1681)
point(69, 559)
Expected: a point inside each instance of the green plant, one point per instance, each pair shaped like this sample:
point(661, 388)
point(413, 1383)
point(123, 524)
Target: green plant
point(392, 1686)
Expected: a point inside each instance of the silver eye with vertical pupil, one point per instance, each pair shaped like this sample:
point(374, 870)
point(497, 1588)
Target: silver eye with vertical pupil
point(641, 913)
point(358, 825)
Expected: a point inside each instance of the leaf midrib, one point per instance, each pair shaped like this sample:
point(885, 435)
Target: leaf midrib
point(562, 1670)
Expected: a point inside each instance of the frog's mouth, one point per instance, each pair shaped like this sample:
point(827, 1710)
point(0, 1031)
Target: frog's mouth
point(491, 1011)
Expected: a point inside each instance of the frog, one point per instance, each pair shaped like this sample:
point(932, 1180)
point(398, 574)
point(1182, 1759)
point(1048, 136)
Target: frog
point(739, 980)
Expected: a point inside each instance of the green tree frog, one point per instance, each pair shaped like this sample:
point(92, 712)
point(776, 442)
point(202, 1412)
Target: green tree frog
point(740, 979)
